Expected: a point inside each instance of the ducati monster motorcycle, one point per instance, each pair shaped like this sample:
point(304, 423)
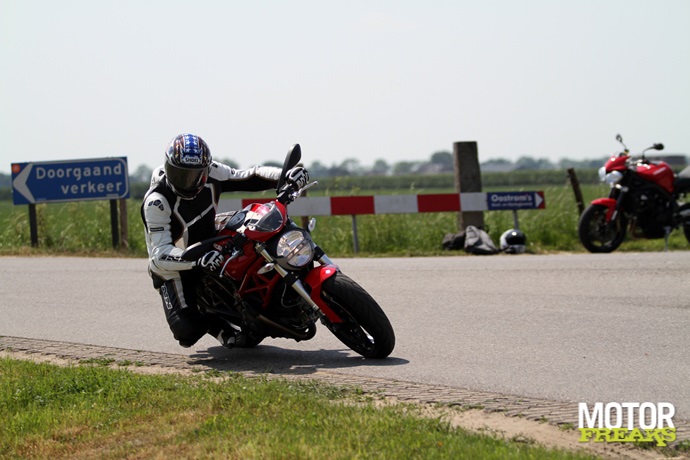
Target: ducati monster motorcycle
point(277, 282)
point(644, 200)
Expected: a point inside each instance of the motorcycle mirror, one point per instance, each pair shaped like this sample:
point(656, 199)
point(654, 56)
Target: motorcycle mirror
point(199, 249)
point(619, 138)
point(658, 146)
point(291, 159)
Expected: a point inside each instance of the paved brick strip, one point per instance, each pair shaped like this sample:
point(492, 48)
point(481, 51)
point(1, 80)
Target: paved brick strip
point(541, 410)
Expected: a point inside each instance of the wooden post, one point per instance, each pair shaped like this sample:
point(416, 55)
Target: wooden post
point(576, 189)
point(33, 225)
point(467, 179)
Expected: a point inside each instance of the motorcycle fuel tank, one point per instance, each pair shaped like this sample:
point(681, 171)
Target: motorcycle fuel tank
point(659, 173)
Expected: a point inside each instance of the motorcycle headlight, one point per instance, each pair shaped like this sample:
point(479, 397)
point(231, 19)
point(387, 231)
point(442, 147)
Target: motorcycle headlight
point(613, 177)
point(294, 249)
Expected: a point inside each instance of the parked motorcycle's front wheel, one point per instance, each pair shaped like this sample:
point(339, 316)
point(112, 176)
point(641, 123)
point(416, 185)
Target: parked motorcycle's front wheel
point(365, 327)
point(596, 234)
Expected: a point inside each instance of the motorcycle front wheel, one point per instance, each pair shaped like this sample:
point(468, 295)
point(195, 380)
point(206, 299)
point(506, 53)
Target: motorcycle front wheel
point(365, 327)
point(597, 235)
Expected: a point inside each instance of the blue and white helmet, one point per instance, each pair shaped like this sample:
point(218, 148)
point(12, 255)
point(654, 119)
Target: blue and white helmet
point(513, 241)
point(187, 162)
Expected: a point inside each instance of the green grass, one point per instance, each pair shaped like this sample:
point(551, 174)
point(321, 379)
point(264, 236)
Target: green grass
point(68, 228)
point(90, 411)
point(83, 228)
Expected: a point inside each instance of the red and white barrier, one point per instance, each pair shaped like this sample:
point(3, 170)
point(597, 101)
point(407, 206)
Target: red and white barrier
point(372, 204)
point(399, 204)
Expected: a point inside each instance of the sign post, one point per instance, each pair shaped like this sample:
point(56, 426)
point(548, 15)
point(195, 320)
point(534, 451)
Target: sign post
point(514, 201)
point(69, 180)
point(33, 225)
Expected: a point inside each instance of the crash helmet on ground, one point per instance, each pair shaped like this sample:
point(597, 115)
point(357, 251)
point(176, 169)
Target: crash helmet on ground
point(187, 162)
point(513, 241)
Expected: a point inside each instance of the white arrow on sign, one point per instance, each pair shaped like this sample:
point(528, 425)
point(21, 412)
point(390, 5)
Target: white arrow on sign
point(20, 186)
point(538, 199)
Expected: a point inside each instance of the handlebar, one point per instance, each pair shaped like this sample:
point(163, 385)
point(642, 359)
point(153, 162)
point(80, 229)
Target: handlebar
point(196, 250)
point(626, 151)
point(287, 194)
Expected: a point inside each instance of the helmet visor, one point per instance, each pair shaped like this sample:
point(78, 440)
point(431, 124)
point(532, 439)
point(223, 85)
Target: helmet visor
point(187, 182)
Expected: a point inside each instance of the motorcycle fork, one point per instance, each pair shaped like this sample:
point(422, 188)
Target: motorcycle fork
point(317, 305)
point(618, 194)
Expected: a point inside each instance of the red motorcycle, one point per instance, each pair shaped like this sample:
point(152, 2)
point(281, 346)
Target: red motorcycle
point(644, 199)
point(272, 286)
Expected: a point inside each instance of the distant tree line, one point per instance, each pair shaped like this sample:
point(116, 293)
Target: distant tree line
point(438, 163)
point(436, 172)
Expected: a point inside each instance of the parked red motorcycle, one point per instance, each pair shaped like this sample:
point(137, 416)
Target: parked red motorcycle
point(270, 285)
point(644, 199)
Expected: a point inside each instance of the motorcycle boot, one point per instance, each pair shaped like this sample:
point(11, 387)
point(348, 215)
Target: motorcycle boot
point(228, 336)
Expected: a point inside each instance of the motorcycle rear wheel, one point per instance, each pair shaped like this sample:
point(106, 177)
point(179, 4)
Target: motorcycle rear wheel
point(597, 235)
point(365, 327)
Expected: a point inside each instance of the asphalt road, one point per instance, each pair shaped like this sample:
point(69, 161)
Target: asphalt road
point(610, 328)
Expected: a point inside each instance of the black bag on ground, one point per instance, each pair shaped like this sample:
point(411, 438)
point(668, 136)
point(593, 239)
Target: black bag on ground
point(477, 241)
point(453, 241)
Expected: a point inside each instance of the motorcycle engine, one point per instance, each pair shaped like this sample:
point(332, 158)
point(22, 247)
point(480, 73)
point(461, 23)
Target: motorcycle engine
point(652, 212)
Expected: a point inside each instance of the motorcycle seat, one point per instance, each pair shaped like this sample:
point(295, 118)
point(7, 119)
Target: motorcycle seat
point(681, 184)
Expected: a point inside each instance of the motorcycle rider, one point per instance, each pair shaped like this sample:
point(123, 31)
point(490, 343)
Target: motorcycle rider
point(179, 210)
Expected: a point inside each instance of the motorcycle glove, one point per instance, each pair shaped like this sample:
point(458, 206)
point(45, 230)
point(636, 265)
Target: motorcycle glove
point(297, 177)
point(212, 261)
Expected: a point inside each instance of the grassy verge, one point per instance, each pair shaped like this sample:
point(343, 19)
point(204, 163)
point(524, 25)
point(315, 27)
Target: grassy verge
point(83, 228)
point(90, 411)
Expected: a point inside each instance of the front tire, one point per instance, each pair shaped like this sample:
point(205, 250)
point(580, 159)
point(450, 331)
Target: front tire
point(365, 327)
point(596, 234)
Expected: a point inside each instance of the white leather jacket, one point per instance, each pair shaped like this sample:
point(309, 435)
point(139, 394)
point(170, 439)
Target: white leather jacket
point(173, 223)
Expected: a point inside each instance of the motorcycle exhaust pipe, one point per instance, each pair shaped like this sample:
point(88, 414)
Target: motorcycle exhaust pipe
point(293, 334)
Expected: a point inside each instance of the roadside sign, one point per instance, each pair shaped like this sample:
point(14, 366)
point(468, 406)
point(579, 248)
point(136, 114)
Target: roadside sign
point(70, 180)
point(507, 201)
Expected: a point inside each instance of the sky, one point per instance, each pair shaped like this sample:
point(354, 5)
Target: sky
point(392, 79)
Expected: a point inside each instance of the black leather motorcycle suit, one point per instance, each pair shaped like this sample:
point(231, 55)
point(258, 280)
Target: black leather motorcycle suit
point(173, 223)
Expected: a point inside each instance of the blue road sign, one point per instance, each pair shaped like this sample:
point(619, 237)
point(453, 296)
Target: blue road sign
point(70, 180)
point(506, 201)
